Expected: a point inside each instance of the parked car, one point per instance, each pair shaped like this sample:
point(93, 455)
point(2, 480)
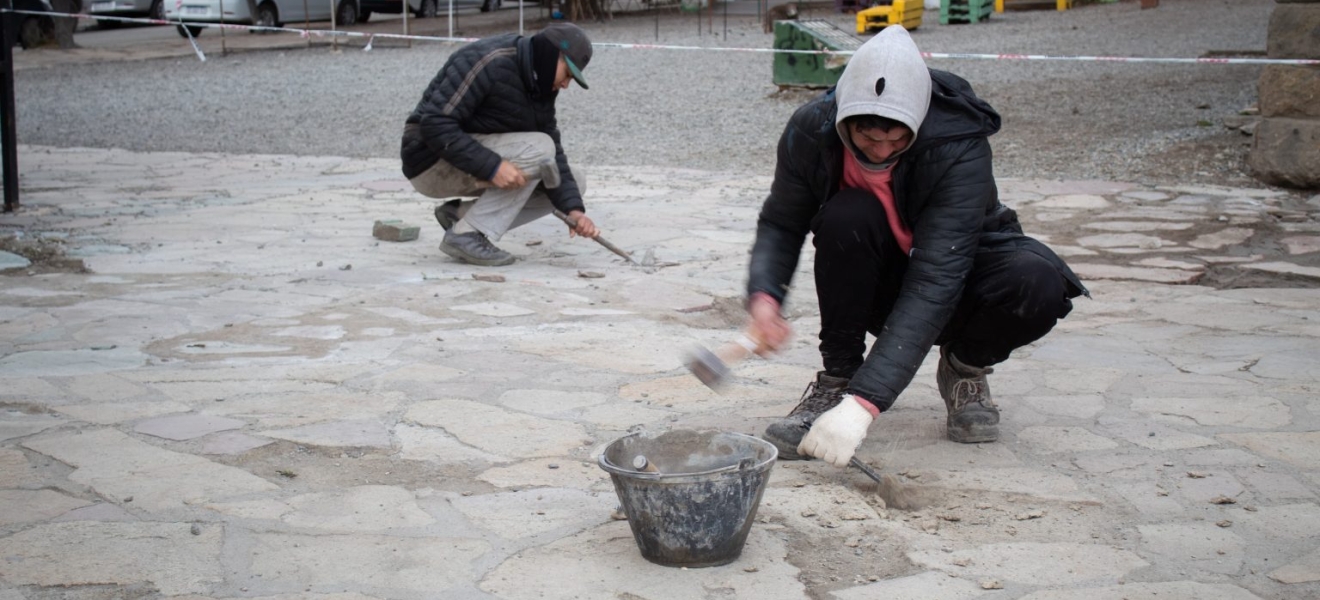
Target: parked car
point(422, 8)
point(153, 9)
point(266, 13)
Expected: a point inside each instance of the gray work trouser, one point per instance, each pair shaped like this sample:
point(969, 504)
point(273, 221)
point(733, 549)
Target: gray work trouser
point(495, 211)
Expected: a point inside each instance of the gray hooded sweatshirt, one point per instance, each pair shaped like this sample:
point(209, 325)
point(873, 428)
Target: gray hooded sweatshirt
point(901, 92)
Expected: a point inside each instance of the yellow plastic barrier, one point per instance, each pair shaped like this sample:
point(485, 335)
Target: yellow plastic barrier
point(906, 13)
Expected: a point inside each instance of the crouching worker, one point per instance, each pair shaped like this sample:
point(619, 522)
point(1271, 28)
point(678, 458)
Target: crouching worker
point(485, 128)
point(891, 171)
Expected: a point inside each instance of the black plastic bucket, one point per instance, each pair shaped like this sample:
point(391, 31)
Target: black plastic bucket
point(691, 501)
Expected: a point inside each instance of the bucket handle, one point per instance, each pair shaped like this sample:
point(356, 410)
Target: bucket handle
point(742, 467)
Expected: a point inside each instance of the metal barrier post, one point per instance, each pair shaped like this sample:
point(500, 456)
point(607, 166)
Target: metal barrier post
point(8, 130)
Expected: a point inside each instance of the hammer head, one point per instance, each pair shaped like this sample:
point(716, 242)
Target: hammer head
point(708, 367)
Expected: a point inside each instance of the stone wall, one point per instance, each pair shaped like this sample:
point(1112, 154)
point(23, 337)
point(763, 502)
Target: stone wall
point(1286, 151)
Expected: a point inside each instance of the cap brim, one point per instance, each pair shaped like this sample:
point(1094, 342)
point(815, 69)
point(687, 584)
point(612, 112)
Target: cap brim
point(577, 73)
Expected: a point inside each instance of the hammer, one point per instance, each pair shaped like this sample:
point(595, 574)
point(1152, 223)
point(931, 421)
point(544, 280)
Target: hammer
point(712, 367)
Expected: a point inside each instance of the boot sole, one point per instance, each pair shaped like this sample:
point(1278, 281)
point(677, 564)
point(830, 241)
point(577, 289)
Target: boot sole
point(465, 257)
point(974, 435)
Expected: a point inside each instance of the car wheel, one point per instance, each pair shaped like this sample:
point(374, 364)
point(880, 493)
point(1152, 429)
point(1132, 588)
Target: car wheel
point(184, 30)
point(30, 33)
point(490, 5)
point(428, 9)
point(267, 16)
point(347, 13)
point(157, 10)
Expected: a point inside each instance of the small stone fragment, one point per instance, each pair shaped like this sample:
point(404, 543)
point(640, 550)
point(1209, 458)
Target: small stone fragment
point(348, 267)
point(489, 277)
point(1196, 475)
point(1222, 500)
point(1225, 523)
point(590, 274)
point(750, 569)
point(618, 515)
point(991, 584)
point(534, 243)
point(553, 466)
point(962, 561)
point(394, 230)
point(196, 529)
point(1026, 516)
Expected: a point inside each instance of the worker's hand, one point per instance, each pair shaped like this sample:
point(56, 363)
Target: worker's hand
point(508, 176)
point(585, 226)
point(766, 325)
point(835, 435)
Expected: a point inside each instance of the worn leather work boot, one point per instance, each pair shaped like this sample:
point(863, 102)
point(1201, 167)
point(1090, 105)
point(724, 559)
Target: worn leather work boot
point(474, 248)
point(447, 214)
point(973, 416)
point(821, 395)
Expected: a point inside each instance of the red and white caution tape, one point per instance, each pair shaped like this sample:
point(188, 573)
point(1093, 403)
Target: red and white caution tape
point(930, 55)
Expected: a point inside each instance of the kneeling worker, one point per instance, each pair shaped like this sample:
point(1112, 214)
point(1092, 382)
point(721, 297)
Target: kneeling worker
point(485, 127)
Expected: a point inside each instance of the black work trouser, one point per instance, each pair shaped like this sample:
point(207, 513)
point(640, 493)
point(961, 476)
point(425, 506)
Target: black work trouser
point(1012, 297)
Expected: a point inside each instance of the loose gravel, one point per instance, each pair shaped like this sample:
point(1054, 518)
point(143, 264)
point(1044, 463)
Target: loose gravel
point(1144, 123)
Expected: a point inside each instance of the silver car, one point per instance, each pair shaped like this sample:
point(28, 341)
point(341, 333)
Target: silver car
point(422, 8)
point(265, 13)
point(152, 9)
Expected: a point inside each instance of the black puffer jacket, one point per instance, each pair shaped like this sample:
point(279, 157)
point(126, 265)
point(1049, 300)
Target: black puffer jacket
point(484, 87)
point(945, 191)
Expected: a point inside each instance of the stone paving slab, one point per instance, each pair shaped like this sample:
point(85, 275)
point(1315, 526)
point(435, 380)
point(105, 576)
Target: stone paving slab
point(324, 416)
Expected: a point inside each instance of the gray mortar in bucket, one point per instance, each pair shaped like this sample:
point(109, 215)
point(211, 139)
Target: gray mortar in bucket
point(692, 499)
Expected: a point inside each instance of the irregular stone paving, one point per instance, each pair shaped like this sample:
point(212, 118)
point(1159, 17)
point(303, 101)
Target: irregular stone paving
point(247, 395)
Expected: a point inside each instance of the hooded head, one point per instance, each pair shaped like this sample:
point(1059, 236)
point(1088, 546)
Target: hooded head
point(887, 78)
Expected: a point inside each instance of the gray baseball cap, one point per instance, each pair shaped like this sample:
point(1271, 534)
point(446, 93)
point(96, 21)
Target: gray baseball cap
point(573, 46)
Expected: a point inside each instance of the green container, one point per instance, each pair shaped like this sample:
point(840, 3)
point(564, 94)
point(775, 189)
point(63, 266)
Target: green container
point(811, 70)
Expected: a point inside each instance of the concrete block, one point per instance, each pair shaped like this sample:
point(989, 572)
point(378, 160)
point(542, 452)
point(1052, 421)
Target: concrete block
point(1294, 31)
point(395, 231)
point(1286, 152)
point(1290, 91)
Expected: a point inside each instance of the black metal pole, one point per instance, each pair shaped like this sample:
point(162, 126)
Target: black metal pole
point(8, 130)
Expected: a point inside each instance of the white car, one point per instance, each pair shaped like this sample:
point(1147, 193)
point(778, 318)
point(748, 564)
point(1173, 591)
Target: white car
point(151, 9)
point(265, 13)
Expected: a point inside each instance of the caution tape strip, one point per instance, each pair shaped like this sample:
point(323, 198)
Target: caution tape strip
point(930, 55)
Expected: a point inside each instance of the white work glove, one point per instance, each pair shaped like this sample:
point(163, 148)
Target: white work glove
point(838, 432)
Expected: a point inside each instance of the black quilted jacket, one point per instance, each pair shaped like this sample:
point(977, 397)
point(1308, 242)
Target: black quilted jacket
point(484, 87)
point(945, 191)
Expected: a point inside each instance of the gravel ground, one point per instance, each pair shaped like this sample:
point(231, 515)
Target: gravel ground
point(705, 109)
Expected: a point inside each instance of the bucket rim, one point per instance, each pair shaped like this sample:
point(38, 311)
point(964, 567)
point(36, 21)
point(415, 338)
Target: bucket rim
point(614, 469)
